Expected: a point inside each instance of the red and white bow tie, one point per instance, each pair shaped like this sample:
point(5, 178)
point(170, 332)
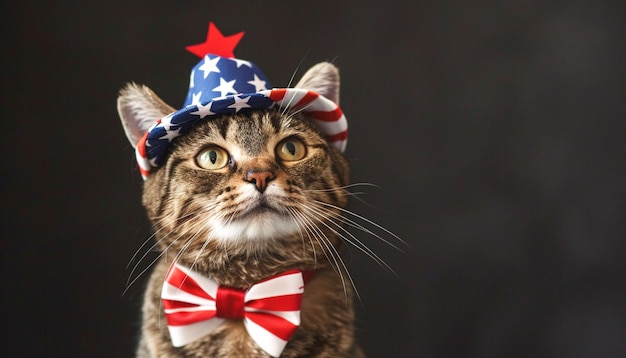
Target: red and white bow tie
point(195, 305)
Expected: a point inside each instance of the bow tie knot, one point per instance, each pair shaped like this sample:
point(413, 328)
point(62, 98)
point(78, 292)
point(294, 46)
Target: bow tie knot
point(230, 303)
point(195, 305)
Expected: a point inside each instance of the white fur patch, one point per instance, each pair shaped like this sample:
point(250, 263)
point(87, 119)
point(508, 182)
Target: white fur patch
point(265, 226)
point(268, 225)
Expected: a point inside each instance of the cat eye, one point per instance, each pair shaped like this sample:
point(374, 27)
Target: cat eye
point(291, 149)
point(212, 158)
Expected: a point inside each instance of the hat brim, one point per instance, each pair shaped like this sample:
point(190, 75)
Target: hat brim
point(152, 148)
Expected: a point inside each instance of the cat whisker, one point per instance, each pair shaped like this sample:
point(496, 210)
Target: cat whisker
point(203, 225)
point(293, 75)
point(360, 217)
point(335, 258)
point(152, 247)
point(204, 245)
point(149, 239)
point(164, 252)
point(342, 189)
point(130, 281)
point(297, 110)
point(145, 254)
point(358, 226)
point(287, 111)
point(350, 238)
point(179, 254)
point(129, 284)
point(298, 221)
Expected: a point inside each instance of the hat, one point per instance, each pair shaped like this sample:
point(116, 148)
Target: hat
point(221, 84)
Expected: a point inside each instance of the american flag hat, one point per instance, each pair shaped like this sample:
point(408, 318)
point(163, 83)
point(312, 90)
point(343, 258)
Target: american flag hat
point(221, 84)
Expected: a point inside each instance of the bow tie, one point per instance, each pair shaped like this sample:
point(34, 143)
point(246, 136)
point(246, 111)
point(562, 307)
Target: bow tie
point(195, 305)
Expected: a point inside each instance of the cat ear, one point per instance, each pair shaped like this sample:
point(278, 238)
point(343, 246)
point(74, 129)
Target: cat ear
point(322, 78)
point(139, 108)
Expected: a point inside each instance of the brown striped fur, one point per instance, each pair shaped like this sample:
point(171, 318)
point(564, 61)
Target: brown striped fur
point(294, 223)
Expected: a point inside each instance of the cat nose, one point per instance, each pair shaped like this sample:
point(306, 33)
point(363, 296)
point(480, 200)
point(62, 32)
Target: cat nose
point(259, 179)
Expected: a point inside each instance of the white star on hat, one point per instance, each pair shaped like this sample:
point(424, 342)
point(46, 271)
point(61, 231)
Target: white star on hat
point(240, 103)
point(258, 83)
point(166, 122)
point(204, 110)
point(171, 134)
point(209, 65)
point(225, 87)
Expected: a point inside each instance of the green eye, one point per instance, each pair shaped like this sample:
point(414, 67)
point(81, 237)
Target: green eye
point(212, 158)
point(291, 150)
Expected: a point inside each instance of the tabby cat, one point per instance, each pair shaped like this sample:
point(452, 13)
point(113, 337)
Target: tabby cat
point(243, 197)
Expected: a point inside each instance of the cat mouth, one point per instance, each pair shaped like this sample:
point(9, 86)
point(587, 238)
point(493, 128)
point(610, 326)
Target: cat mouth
point(259, 221)
point(261, 208)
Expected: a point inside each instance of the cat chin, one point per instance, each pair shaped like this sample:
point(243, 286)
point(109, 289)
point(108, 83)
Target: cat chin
point(266, 226)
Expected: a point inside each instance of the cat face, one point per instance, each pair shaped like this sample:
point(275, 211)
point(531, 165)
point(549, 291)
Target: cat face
point(245, 181)
point(261, 184)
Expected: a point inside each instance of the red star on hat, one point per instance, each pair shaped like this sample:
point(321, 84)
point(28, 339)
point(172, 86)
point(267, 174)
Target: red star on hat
point(216, 43)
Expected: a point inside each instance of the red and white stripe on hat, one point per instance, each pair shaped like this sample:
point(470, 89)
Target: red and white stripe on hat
point(327, 115)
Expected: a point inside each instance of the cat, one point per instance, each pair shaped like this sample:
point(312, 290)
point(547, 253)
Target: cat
point(242, 197)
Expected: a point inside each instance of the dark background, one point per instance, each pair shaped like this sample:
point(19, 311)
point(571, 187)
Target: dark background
point(494, 130)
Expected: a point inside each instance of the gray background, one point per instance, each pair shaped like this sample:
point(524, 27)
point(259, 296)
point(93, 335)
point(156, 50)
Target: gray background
point(493, 129)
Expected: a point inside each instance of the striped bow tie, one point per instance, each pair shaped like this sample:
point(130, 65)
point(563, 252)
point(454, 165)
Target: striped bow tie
point(195, 305)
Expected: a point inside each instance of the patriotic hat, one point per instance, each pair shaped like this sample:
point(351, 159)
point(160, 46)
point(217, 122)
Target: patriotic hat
point(221, 84)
